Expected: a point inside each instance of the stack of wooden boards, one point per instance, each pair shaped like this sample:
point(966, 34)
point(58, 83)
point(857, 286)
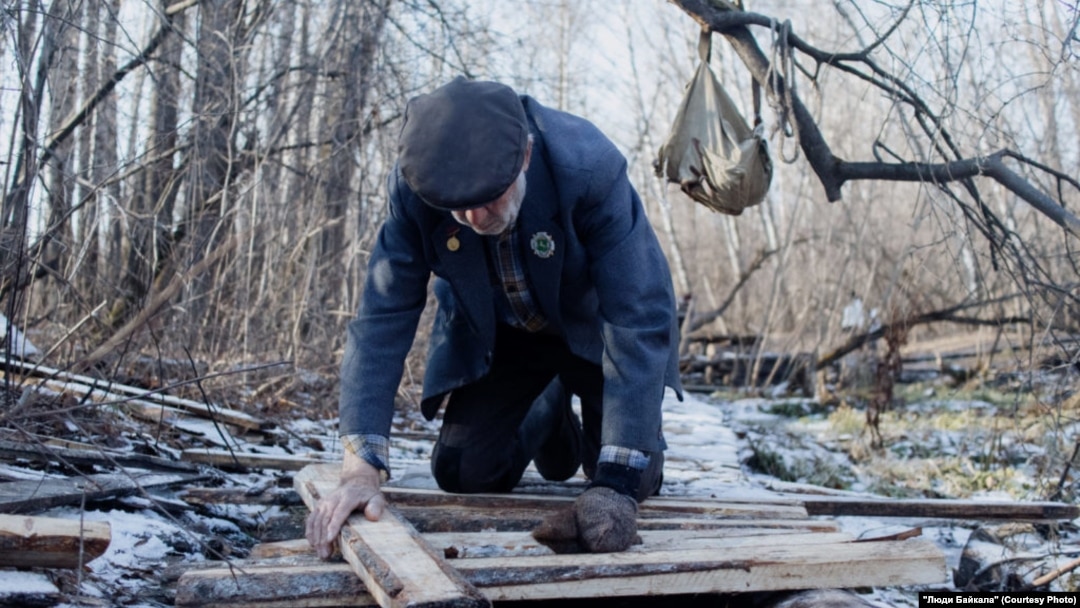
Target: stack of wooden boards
point(436, 549)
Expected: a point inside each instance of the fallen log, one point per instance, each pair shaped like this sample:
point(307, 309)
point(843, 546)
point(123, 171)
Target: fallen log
point(49, 542)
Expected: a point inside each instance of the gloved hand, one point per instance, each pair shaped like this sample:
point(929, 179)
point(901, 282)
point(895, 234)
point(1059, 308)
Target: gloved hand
point(601, 520)
point(606, 520)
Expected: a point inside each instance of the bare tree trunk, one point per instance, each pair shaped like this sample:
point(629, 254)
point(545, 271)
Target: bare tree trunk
point(64, 20)
point(353, 57)
point(85, 231)
point(211, 155)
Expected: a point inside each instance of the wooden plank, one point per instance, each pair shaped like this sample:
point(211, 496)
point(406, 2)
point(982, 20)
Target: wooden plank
point(85, 384)
point(325, 476)
point(518, 544)
point(247, 460)
point(456, 545)
point(26, 496)
point(304, 586)
point(940, 508)
point(723, 569)
point(396, 565)
point(49, 542)
point(720, 569)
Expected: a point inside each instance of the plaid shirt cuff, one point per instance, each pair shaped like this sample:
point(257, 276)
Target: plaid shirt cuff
point(372, 449)
point(626, 457)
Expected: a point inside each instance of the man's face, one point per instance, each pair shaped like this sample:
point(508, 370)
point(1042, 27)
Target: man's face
point(498, 215)
point(501, 213)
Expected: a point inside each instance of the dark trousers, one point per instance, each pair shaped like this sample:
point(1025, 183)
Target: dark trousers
point(484, 446)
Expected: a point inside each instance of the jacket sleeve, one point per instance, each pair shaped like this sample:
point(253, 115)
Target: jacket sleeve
point(379, 337)
point(636, 304)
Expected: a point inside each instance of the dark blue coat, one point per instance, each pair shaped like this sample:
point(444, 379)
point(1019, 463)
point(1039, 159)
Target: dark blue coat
point(606, 288)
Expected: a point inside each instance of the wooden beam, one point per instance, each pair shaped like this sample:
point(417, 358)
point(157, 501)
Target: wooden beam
point(26, 496)
point(396, 565)
point(48, 542)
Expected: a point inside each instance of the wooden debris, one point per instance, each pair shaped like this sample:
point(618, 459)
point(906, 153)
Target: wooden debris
point(283, 497)
point(89, 455)
point(237, 460)
point(730, 550)
point(48, 542)
point(26, 496)
point(397, 566)
point(731, 565)
point(83, 385)
point(282, 586)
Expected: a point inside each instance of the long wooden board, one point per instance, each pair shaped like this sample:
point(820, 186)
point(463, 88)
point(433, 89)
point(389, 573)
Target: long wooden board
point(941, 508)
point(397, 566)
point(246, 460)
point(26, 496)
point(49, 542)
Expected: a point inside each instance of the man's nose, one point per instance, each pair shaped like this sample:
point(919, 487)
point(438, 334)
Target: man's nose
point(476, 215)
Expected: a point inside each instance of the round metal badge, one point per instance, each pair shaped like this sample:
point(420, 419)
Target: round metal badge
point(542, 245)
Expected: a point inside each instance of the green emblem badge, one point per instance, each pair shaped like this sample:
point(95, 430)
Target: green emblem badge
point(542, 245)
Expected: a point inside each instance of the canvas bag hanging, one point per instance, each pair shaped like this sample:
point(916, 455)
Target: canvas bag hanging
point(714, 156)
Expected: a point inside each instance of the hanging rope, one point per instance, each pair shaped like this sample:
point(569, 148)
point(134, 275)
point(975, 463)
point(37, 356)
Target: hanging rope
point(781, 77)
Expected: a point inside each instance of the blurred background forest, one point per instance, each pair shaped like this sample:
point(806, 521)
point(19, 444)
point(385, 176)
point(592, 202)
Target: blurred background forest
point(200, 181)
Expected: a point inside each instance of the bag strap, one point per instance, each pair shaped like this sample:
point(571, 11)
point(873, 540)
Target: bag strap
point(704, 45)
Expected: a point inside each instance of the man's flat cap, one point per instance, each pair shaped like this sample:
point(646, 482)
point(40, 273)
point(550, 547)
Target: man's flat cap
point(463, 144)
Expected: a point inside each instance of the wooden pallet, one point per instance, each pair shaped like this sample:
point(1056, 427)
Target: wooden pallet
point(433, 549)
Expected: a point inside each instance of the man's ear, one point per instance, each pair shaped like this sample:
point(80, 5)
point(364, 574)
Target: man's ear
point(528, 155)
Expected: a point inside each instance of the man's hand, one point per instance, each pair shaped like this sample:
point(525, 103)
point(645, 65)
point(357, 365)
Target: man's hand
point(359, 489)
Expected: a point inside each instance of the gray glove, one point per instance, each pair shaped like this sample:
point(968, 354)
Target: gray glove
point(607, 520)
point(601, 520)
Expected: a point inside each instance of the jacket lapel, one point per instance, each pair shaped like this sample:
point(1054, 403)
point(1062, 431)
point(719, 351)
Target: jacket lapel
point(541, 238)
point(464, 264)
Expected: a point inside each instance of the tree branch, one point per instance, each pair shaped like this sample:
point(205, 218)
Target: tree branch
point(724, 18)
